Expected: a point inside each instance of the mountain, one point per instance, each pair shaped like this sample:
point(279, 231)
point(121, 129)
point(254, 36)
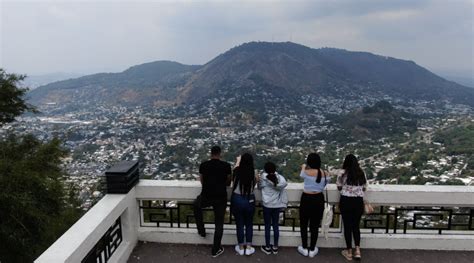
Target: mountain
point(328, 71)
point(34, 81)
point(466, 81)
point(153, 82)
point(287, 70)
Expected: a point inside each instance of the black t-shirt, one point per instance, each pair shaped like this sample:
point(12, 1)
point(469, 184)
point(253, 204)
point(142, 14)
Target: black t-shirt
point(214, 178)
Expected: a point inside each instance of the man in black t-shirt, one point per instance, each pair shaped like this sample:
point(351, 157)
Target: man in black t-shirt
point(215, 176)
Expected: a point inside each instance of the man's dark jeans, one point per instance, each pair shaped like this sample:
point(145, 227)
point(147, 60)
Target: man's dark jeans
point(219, 207)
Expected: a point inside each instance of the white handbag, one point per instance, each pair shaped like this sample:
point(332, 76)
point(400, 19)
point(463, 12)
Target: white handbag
point(327, 215)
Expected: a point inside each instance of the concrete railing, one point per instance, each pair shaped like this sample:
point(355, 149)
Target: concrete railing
point(82, 238)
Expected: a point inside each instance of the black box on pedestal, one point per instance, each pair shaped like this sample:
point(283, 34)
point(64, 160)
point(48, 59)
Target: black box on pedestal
point(122, 177)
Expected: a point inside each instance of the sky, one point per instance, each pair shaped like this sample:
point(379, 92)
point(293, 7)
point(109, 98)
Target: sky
point(40, 37)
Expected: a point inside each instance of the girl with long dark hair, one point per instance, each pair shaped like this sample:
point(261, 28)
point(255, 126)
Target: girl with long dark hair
point(243, 203)
point(351, 183)
point(274, 200)
point(312, 203)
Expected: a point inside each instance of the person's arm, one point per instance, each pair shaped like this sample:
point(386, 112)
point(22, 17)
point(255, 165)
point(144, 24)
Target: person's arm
point(261, 183)
point(201, 172)
point(237, 162)
point(364, 186)
point(303, 168)
point(340, 182)
point(281, 183)
point(328, 177)
point(229, 176)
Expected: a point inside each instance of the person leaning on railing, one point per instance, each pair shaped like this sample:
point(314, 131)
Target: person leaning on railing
point(242, 203)
point(312, 203)
point(352, 183)
point(274, 200)
point(215, 176)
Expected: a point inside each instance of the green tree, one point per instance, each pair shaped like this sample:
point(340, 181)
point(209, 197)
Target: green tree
point(36, 207)
point(12, 103)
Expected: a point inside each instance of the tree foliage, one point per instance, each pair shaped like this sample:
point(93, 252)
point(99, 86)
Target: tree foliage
point(36, 206)
point(12, 103)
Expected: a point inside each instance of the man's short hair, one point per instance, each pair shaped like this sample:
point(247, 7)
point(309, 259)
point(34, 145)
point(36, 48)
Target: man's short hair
point(215, 150)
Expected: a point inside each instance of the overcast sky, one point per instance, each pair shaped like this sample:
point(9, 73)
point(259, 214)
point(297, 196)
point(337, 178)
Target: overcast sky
point(42, 37)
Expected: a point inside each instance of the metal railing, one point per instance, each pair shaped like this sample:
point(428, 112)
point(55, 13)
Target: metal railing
point(422, 217)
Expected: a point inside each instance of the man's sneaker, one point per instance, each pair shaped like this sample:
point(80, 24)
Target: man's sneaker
point(274, 250)
point(218, 252)
point(266, 250)
point(239, 251)
point(313, 253)
point(202, 233)
point(303, 251)
point(249, 250)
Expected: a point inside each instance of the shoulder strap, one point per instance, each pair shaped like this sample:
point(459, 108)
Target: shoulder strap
point(325, 186)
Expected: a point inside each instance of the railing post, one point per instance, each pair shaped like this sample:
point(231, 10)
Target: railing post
point(121, 178)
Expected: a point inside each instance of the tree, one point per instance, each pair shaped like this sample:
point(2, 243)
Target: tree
point(36, 206)
point(12, 103)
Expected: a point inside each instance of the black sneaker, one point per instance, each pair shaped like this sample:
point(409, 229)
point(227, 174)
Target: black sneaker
point(202, 233)
point(274, 250)
point(218, 252)
point(266, 250)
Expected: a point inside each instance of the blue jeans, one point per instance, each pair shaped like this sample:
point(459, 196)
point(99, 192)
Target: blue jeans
point(271, 216)
point(243, 208)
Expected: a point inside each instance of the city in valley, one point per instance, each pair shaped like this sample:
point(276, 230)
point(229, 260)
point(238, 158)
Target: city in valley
point(170, 142)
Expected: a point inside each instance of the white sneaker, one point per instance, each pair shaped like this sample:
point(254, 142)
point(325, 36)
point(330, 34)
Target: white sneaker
point(239, 251)
point(303, 251)
point(314, 252)
point(249, 250)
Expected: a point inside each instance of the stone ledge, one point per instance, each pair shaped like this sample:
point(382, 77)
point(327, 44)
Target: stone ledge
point(334, 240)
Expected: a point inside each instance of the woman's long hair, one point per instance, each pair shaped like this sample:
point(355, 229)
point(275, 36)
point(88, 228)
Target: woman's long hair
point(270, 169)
point(355, 175)
point(314, 162)
point(244, 174)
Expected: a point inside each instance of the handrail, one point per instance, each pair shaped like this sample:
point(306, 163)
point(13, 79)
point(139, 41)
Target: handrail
point(407, 195)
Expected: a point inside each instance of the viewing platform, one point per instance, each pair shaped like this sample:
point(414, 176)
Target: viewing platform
point(154, 222)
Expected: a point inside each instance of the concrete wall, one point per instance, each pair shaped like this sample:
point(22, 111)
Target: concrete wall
point(74, 245)
point(405, 195)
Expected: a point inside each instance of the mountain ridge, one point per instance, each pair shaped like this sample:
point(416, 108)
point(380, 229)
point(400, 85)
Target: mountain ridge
point(291, 68)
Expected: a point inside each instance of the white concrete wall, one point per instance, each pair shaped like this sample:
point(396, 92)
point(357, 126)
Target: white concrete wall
point(74, 245)
point(406, 195)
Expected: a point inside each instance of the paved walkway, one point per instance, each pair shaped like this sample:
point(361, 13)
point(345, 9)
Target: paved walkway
point(177, 253)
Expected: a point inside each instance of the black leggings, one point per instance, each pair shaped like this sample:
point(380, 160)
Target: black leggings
point(311, 211)
point(352, 209)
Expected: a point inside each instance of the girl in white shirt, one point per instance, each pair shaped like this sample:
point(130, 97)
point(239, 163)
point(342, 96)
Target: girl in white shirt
point(352, 184)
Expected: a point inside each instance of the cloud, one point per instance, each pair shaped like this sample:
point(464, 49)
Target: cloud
point(90, 36)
